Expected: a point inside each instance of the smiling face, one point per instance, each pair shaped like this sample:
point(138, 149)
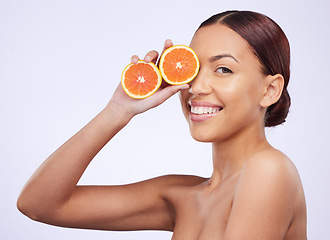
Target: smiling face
point(224, 98)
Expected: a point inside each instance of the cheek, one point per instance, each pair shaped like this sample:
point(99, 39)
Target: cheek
point(241, 102)
point(245, 93)
point(245, 109)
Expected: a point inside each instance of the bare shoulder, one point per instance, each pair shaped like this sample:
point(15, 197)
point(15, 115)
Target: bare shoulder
point(272, 165)
point(272, 171)
point(268, 159)
point(269, 195)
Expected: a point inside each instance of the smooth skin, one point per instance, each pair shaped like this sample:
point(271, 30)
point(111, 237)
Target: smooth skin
point(254, 191)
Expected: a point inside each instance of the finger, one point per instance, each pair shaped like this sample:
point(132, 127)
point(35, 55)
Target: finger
point(135, 59)
point(168, 43)
point(164, 94)
point(151, 56)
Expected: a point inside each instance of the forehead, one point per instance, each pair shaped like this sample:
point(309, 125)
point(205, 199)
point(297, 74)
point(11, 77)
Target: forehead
point(218, 39)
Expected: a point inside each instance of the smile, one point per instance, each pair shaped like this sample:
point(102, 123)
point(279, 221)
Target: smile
point(201, 111)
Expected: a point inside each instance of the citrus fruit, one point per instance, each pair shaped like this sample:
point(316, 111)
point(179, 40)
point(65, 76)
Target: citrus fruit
point(141, 80)
point(179, 65)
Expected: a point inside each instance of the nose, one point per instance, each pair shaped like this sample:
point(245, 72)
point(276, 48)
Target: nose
point(200, 85)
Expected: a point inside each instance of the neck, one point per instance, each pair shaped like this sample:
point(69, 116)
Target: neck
point(230, 155)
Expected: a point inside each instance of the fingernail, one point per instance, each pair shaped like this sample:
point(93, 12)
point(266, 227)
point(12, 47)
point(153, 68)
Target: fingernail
point(147, 58)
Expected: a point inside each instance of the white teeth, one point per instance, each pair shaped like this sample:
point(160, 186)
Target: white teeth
point(204, 110)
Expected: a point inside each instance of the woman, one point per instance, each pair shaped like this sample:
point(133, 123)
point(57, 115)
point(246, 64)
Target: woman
point(254, 191)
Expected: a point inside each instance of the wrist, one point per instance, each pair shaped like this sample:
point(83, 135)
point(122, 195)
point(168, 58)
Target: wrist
point(115, 111)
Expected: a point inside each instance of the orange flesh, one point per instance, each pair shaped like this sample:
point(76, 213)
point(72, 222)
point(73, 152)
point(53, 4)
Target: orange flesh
point(176, 58)
point(140, 79)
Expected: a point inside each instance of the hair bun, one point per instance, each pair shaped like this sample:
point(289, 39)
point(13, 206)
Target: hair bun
point(277, 112)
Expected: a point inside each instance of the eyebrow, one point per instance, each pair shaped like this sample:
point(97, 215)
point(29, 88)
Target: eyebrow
point(218, 57)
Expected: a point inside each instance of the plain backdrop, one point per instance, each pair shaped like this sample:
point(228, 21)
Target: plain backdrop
point(61, 60)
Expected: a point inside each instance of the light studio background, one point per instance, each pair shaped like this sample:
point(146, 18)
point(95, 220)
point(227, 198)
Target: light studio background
point(61, 60)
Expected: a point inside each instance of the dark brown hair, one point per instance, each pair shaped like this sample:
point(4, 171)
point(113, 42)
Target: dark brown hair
point(269, 43)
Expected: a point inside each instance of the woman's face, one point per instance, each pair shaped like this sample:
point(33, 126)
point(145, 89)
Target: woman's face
point(224, 98)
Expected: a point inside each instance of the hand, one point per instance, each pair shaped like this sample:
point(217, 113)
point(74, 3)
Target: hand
point(135, 106)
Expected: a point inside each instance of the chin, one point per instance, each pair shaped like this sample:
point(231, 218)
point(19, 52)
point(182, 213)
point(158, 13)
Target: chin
point(202, 136)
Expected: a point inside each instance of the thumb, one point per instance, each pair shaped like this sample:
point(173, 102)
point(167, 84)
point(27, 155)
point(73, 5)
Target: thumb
point(164, 94)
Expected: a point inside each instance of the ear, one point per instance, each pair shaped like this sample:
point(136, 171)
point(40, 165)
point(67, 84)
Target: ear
point(273, 90)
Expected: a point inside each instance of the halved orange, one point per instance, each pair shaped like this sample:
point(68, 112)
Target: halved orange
point(179, 65)
point(141, 80)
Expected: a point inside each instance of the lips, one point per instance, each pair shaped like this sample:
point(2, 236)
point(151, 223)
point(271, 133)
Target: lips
point(201, 111)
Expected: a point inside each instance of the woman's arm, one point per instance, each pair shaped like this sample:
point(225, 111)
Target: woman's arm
point(51, 194)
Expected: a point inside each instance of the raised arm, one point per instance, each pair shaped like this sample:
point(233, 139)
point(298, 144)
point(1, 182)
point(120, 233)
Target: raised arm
point(51, 194)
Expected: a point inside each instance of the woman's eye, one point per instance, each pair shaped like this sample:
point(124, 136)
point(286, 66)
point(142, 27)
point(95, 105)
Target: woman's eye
point(223, 70)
